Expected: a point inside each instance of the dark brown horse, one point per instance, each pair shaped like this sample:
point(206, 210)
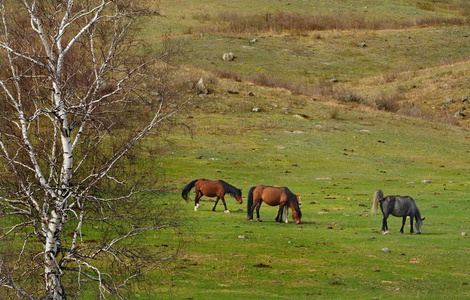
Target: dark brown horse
point(273, 196)
point(398, 206)
point(211, 188)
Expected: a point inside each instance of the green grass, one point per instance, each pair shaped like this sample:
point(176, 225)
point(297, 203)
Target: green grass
point(336, 158)
point(336, 165)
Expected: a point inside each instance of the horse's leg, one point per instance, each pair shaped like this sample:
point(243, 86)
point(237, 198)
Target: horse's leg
point(196, 200)
point(385, 225)
point(252, 209)
point(279, 215)
point(258, 205)
point(215, 204)
point(225, 205)
point(411, 225)
point(403, 224)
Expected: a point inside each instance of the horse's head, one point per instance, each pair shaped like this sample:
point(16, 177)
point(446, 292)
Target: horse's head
point(238, 196)
point(296, 216)
point(419, 223)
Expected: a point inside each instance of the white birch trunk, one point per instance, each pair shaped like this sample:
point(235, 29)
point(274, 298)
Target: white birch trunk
point(50, 172)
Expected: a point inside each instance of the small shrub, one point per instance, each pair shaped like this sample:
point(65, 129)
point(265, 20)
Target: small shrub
point(334, 113)
point(272, 81)
point(388, 102)
point(349, 97)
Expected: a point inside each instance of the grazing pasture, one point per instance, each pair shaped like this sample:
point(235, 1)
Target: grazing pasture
point(334, 114)
point(335, 164)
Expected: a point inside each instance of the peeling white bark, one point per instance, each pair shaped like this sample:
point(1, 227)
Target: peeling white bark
point(50, 194)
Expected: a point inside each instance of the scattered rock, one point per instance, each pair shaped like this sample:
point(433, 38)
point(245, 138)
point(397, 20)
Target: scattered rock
point(256, 109)
point(459, 114)
point(333, 80)
point(235, 92)
point(301, 116)
point(386, 250)
point(463, 234)
point(448, 100)
point(251, 94)
point(464, 98)
point(243, 237)
point(362, 45)
point(228, 56)
point(426, 181)
point(201, 87)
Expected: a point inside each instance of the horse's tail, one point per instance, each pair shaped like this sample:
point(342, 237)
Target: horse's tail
point(378, 195)
point(249, 203)
point(188, 188)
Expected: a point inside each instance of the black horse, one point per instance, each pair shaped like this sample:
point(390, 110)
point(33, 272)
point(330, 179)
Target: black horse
point(398, 206)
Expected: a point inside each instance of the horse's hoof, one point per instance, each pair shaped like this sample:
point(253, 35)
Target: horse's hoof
point(227, 211)
point(387, 232)
point(259, 220)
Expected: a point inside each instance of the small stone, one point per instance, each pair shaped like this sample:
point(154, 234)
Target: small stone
point(243, 237)
point(256, 109)
point(386, 250)
point(463, 234)
point(201, 87)
point(426, 181)
point(228, 56)
point(448, 100)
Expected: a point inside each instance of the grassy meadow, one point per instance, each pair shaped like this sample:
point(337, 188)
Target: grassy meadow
point(381, 124)
point(335, 164)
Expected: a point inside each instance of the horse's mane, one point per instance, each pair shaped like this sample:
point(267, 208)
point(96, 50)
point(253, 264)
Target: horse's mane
point(230, 189)
point(415, 207)
point(292, 198)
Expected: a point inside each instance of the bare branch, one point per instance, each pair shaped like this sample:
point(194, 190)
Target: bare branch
point(71, 77)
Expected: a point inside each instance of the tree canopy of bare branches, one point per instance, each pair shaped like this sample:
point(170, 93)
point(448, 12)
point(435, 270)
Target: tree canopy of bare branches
point(78, 92)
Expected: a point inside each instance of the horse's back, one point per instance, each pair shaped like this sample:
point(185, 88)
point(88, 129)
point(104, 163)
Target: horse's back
point(402, 206)
point(210, 188)
point(273, 196)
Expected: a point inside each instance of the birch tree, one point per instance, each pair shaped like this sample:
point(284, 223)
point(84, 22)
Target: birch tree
point(78, 92)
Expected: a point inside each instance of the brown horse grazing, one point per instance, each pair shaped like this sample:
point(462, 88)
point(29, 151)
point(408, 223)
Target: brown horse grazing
point(273, 196)
point(398, 206)
point(212, 188)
